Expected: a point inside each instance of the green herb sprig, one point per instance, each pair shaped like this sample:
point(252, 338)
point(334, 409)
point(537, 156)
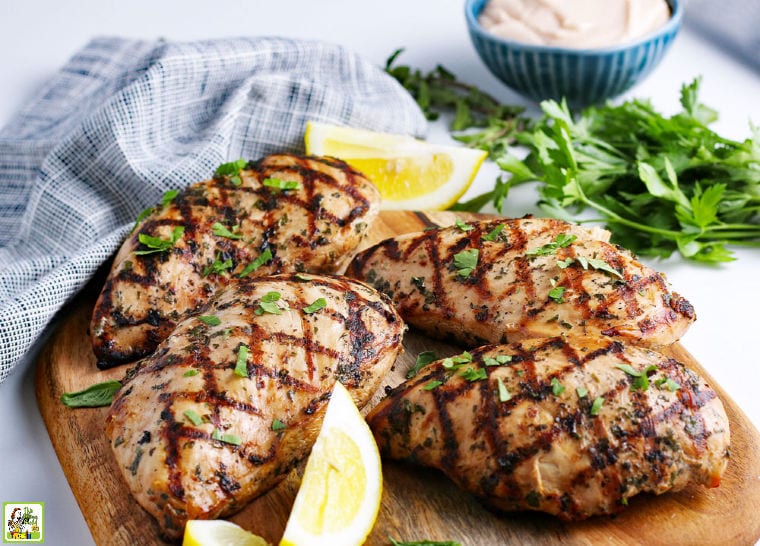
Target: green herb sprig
point(94, 396)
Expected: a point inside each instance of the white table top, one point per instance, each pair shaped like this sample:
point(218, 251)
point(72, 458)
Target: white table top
point(37, 37)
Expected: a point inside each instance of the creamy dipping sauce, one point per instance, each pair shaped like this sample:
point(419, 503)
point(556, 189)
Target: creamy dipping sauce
point(573, 23)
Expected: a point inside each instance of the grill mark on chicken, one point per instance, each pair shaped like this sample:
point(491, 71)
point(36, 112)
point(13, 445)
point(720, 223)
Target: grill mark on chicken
point(312, 228)
point(358, 339)
point(499, 481)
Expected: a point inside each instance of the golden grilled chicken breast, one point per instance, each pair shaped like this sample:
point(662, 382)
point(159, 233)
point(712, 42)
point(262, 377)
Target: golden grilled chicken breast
point(505, 280)
point(573, 427)
point(233, 399)
point(281, 213)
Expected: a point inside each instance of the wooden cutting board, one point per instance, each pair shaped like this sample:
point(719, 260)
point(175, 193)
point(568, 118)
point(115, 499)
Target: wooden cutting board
point(417, 503)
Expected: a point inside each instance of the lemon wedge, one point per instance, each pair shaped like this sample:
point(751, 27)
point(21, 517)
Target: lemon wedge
point(218, 532)
point(339, 496)
point(411, 174)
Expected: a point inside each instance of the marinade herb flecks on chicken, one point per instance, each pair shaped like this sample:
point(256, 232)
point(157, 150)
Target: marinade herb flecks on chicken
point(281, 213)
point(573, 427)
point(504, 280)
point(233, 399)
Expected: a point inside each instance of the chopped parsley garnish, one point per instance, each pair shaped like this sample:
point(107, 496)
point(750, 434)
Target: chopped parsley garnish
point(263, 258)
point(278, 425)
point(193, 417)
point(221, 231)
point(640, 378)
point(456, 362)
point(558, 294)
point(463, 226)
point(190, 373)
point(268, 304)
point(156, 244)
point(298, 276)
point(94, 396)
point(423, 359)
point(671, 385)
point(494, 233)
point(218, 266)
point(582, 392)
point(584, 262)
point(316, 305)
point(498, 360)
point(557, 387)
point(433, 384)
point(226, 438)
point(474, 374)
point(596, 405)
point(502, 389)
point(210, 320)
point(241, 364)
point(562, 240)
point(284, 185)
point(167, 198)
point(232, 170)
point(466, 261)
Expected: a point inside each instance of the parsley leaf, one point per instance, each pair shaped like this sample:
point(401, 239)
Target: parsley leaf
point(193, 417)
point(262, 258)
point(210, 320)
point(278, 425)
point(562, 240)
point(596, 405)
point(558, 294)
point(557, 387)
point(423, 359)
point(494, 233)
point(156, 244)
point(232, 170)
point(504, 394)
point(316, 305)
point(241, 364)
point(94, 396)
point(463, 226)
point(220, 230)
point(226, 438)
point(280, 184)
point(466, 261)
point(268, 304)
point(218, 266)
point(474, 374)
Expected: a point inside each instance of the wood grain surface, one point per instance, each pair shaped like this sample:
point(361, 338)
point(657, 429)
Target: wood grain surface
point(417, 503)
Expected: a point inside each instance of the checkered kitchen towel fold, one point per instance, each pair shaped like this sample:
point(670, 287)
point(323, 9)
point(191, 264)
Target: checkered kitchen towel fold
point(126, 120)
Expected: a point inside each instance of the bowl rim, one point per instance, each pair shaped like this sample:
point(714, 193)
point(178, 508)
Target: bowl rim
point(671, 26)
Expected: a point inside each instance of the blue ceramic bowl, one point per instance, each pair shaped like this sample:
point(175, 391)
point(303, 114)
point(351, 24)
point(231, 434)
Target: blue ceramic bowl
point(582, 76)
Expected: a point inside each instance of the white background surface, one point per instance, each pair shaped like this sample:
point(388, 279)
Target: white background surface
point(38, 36)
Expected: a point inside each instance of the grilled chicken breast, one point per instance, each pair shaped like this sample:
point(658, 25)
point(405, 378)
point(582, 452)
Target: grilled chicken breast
point(281, 213)
point(233, 399)
point(573, 427)
point(505, 280)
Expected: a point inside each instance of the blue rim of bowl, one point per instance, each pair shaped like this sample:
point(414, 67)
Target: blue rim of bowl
point(676, 14)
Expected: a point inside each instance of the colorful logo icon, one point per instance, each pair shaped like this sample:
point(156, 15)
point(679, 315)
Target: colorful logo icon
point(23, 522)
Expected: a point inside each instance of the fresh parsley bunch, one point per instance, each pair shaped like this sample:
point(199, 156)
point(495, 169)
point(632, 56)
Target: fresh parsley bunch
point(660, 184)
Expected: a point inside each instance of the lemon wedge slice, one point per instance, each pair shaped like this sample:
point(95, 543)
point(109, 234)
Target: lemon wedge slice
point(339, 496)
point(218, 532)
point(411, 174)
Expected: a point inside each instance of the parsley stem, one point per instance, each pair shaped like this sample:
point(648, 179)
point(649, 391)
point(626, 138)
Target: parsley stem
point(613, 217)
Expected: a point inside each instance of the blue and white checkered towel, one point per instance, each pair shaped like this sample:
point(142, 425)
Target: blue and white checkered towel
point(126, 120)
